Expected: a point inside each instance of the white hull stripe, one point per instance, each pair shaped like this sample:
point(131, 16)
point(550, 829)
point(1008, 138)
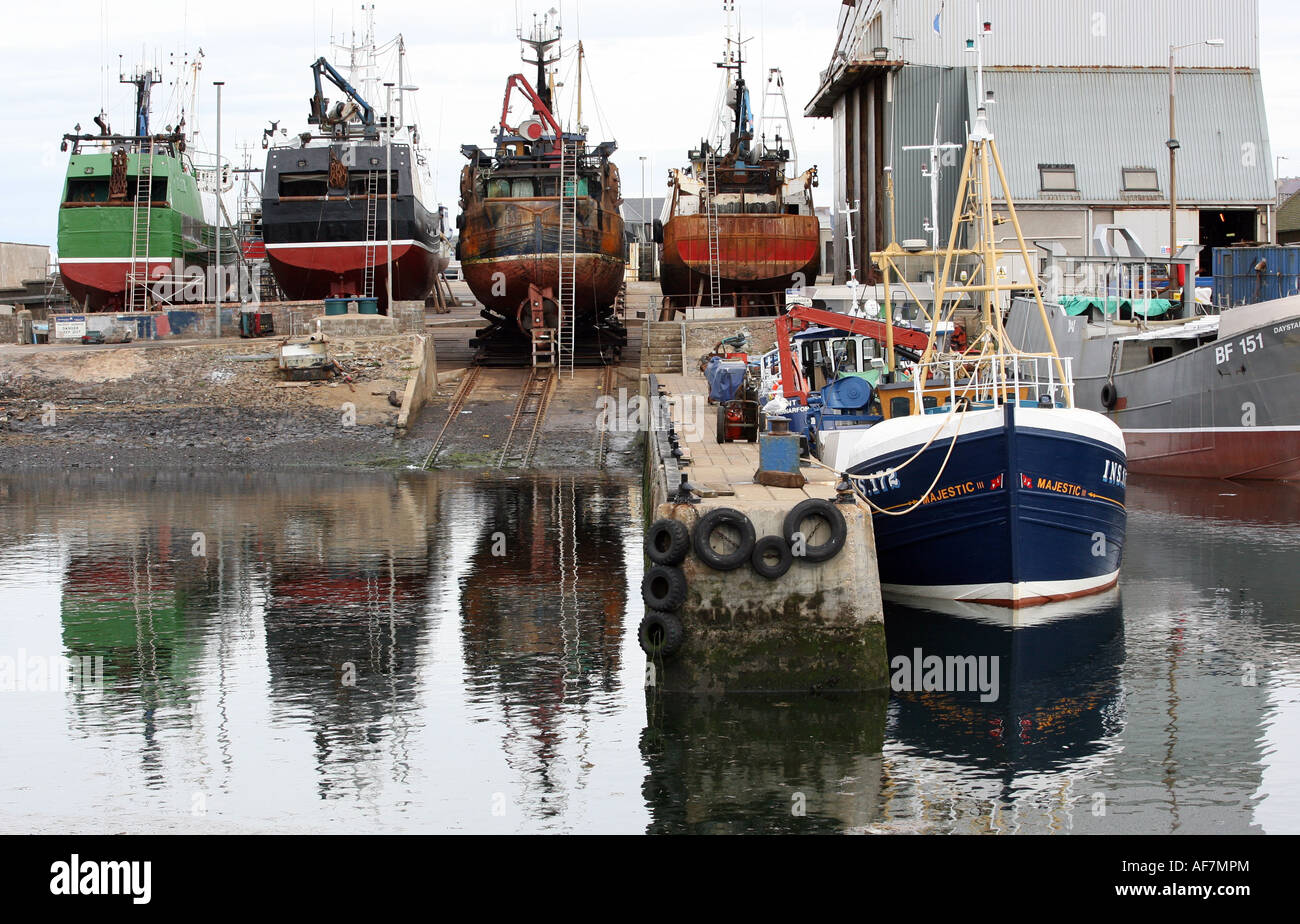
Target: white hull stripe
point(118, 259)
point(379, 245)
point(1004, 590)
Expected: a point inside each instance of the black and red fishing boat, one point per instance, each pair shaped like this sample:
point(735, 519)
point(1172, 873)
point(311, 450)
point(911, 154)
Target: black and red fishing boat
point(330, 199)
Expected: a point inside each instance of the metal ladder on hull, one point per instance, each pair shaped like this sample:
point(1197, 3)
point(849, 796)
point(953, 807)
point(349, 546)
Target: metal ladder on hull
point(137, 293)
point(372, 223)
point(567, 255)
point(711, 222)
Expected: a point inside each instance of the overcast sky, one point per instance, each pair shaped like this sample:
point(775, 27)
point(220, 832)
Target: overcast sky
point(650, 85)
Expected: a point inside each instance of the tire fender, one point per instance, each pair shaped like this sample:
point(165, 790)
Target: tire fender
point(816, 507)
point(764, 547)
point(704, 529)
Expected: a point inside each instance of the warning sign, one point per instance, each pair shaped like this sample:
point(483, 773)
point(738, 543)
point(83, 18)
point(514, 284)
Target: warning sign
point(69, 326)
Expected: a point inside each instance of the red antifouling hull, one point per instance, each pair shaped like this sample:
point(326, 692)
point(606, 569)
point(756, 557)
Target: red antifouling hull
point(756, 253)
point(316, 271)
point(1268, 454)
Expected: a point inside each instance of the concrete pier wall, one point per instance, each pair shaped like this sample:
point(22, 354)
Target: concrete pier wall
point(818, 627)
point(422, 383)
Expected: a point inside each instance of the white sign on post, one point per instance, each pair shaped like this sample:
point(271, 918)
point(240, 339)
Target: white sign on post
point(69, 326)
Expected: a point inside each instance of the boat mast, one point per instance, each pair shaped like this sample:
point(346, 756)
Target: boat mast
point(543, 36)
point(974, 203)
point(581, 128)
point(143, 80)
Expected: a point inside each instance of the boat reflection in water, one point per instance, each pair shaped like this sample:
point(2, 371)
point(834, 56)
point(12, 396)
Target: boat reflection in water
point(1054, 711)
point(762, 763)
point(542, 624)
point(198, 590)
point(347, 619)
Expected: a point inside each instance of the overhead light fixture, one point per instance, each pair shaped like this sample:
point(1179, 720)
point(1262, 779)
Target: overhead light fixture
point(880, 53)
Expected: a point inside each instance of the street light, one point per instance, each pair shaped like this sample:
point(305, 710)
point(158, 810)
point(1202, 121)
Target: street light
point(216, 314)
point(641, 210)
point(1277, 176)
point(388, 189)
point(1172, 144)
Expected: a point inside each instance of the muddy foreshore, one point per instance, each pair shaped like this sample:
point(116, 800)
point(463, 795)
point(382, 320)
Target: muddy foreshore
point(225, 406)
point(209, 406)
point(202, 437)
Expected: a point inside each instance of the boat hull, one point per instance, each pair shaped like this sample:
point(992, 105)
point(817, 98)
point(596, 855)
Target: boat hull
point(1029, 508)
point(318, 250)
point(316, 233)
point(757, 255)
point(507, 245)
point(100, 283)
point(338, 268)
point(97, 235)
point(1229, 408)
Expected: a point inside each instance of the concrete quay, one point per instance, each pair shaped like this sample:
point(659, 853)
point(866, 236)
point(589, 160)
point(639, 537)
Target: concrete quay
point(819, 626)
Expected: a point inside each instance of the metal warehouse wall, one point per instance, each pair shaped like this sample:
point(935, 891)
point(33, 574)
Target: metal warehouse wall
point(1060, 33)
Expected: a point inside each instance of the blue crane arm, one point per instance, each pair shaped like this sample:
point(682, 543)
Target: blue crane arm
point(318, 102)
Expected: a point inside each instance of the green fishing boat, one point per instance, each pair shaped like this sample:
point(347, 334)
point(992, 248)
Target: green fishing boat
point(135, 212)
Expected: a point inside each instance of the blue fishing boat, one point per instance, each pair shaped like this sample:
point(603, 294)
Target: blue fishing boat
point(996, 491)
point(987, 483)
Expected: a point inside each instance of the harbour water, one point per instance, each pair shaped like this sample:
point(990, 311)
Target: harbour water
point(442, 651)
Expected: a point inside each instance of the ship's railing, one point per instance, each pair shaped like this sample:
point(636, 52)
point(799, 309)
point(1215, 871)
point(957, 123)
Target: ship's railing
point(995, 379)
point(131, 143)
point(1137, 280)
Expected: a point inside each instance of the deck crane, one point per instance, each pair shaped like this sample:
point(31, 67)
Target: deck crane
point(342, 112)
point(800, 317)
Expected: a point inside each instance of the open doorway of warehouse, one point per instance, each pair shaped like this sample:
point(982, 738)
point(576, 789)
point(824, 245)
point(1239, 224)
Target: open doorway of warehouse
point(1224, 228)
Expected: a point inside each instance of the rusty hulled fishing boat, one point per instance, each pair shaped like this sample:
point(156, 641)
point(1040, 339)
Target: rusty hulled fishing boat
point(738, 226)
point(540, 224)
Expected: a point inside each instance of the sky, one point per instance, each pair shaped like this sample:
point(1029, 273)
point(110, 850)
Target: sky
point(650, 82)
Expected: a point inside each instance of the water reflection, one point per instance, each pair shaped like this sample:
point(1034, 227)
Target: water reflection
point(542, 620)
point(1055, 695)
point(762, 764)
point(401, 651)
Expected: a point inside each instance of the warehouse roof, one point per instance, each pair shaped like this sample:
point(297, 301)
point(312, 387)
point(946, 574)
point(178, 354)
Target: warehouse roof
point(1106, 121)
point(1288, 216)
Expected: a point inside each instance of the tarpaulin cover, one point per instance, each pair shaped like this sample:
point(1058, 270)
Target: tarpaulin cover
point(725, 376)
point(1147, 307)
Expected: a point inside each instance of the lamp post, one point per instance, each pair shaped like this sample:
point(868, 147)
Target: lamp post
point(642, 209)
point(388, 190)
point(1172, 144)
point(216, 315)
point(1277, 176)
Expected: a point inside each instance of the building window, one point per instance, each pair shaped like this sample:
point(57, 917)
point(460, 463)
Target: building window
point(1140, 179)
point(1057, 178)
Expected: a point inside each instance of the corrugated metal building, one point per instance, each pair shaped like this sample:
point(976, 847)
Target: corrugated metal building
point(1080, 109)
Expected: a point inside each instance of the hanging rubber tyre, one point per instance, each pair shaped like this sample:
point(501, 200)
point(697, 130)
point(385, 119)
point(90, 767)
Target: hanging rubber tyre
point(660, 634)
point(724, 520)
point(663, 588)
point(764, 549)
point(1109, 396)
point(816, 509)
point(667, 542)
